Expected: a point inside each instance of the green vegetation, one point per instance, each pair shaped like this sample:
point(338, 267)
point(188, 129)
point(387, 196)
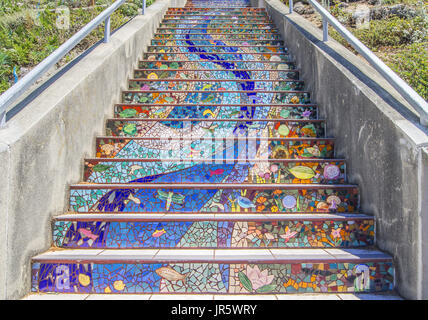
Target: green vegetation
point(400, 41)
point(27, 35)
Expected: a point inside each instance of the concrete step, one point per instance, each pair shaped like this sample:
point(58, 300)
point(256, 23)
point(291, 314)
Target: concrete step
point(322, 171)
point(215, 84)
point(389, 295)
point(219, 36)
point(214, 198)
point(248, 66)
point(211, 231)
point(218, 125)
point(224, 56)
point(214, 148)
point(218, 96)
point(192, 47)
point(233, 111)
point(227, 271)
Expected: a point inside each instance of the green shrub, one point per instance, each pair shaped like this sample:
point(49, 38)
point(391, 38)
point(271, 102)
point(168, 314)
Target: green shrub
point(411, 64)
point(394, 32)
point(27, 40)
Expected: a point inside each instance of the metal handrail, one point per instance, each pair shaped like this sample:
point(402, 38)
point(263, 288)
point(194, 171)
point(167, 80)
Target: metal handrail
point(410, 95)
point(14, 92)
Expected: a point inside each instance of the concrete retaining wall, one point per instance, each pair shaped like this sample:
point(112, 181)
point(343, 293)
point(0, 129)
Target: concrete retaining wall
point(42, 148)
point(378, 134)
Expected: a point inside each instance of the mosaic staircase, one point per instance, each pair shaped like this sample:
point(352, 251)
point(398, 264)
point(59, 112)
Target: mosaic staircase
point(216, 175)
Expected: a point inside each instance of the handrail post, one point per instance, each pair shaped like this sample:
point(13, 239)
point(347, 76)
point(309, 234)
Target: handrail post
point(324, 29)
point(290, 6)
point(143, 11)
point(3, 119)
point(107, 30)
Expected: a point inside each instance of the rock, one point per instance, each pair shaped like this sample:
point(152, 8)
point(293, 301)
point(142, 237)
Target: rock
point(402, 11)
point(399, 10)
point(300, 8)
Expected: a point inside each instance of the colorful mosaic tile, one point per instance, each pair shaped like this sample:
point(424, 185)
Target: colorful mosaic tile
point(214, 234)
point(208, 74)
point(202, 54)
point(184, 84)
point(217, 149)
point(201, 42)
point(184, 199)
point(189, 46)
point(201, 128)
point(213, 277)
point(232, 112)
point(192, 171)
point(215, 36)
point(219, 65)
point(219, 96)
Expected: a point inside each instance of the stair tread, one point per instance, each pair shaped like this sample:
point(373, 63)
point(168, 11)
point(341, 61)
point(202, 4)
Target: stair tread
point(212, 186)
point(217, 119)
point(211, 216)
point(196, 296)
point(218, 139)
point(213, 161)
point(229, 255)
point(211, 80)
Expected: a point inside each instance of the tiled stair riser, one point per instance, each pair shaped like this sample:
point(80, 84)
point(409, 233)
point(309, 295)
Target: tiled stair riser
point(213, 149)
point(212, 277)
point(189, 46)
point(216, 24)
point(322, 172)
point(219, 96)
point(99, 198)
point(163, 73)
point(219, 129)
point(226, 66)
point(225, 57)
point(220, 36)
point(232, 111)
point(200, 42)
point(189, 84)
point(240, 30)
point(214, 234)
